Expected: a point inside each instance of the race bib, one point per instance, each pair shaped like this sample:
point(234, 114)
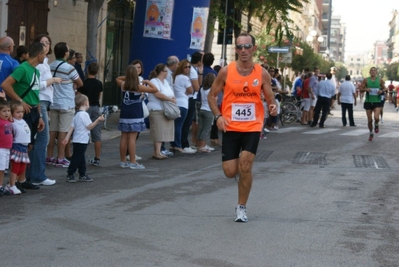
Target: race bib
point(374, 91)
point(243, 112)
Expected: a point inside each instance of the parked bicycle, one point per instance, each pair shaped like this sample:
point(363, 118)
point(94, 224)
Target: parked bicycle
point(290, 110)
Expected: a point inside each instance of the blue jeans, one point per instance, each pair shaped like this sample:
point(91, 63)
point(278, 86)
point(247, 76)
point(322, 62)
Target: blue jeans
point(178, 128)
point(187, 122)
point(35, 171)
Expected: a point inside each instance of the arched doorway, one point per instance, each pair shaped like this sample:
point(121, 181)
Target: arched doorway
point(26, 19)
point(119, 32)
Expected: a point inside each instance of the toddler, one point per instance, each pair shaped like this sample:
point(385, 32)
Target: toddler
point(5, 143)
point(81, 126)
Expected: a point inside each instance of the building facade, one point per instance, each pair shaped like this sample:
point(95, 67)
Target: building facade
point(337, 39)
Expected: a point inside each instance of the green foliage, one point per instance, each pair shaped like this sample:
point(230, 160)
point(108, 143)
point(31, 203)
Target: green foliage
point(301, 59)
point(274, 12)
point(392, 72)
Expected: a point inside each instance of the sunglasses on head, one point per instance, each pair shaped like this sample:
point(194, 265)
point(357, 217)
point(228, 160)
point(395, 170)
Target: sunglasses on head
point(246, 46)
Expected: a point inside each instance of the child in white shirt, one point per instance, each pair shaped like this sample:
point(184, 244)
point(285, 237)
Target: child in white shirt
point(19, 152)
point(81, 126)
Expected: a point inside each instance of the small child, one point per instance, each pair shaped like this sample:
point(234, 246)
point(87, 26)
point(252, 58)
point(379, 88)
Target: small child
point(5, 141)
point(81, 126)
point(19, 151)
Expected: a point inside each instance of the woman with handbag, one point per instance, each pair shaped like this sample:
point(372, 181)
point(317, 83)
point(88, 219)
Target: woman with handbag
point(162, 128)
point(131, 120)
point(182, 88)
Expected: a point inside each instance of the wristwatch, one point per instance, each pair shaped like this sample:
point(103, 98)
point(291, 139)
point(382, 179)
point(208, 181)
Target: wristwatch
point(217, 117)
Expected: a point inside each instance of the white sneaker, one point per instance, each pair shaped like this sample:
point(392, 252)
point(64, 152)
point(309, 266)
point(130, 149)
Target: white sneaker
point(189, 150)
point(266, 130)
point(241, 214)
point(13, 190)
point(46, 182)
point(138, 157)
point(209, 148)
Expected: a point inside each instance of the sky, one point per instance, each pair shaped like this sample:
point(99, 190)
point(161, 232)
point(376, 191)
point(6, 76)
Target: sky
point(367, 21)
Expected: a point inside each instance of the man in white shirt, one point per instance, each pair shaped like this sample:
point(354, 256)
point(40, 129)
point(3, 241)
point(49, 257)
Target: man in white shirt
point(346, 98)
point(325, 91)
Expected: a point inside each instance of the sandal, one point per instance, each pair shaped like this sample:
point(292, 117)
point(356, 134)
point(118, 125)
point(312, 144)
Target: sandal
point(160, 156)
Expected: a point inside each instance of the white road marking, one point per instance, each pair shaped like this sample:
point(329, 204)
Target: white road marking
point(322, 131)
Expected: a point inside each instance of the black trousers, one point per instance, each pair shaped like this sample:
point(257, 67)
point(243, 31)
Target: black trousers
point(322, 104)
point(78, 160)
point(344, 108)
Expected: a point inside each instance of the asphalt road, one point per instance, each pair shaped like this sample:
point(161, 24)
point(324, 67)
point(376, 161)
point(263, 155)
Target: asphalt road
point(320, 197)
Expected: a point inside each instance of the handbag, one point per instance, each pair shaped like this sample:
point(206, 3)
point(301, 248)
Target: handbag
point(171, 110)
point(146, 113)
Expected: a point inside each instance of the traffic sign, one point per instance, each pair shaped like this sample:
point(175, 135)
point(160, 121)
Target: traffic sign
point(278, 49)
point(286, 58)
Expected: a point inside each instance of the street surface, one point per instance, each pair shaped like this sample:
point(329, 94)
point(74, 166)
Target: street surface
point(320, 197)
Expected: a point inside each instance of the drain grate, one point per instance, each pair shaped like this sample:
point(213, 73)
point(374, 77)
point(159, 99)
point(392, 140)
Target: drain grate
point(262, 155)
point(313, 158)
point(374, 162)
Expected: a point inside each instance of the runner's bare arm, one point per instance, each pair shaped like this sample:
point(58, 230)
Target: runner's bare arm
point(363, 86)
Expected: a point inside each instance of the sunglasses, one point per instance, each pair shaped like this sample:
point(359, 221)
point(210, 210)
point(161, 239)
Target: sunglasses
point(187, 67)
point(246, 46)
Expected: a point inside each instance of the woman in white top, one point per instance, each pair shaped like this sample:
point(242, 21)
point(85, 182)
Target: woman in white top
point(36, 170)
point(205, 118)
point(182, 88)
point(162, 129)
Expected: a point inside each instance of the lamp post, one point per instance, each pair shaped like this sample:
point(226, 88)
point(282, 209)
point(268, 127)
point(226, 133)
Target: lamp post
point(311, 39)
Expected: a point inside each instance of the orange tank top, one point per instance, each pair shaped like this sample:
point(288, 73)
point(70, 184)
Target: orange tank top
point(242, 106)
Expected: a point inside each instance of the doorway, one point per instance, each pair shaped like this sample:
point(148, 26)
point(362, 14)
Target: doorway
point(119, 32)
point(26, 19)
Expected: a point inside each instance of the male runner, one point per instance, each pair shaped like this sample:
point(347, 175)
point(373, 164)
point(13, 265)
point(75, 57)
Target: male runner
point(241, 117)
point(374, 86)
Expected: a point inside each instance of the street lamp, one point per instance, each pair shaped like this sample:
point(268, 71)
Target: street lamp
point(312, 37)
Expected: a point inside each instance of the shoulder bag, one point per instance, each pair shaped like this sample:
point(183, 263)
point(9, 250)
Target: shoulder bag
point(29, 88)
point(170, 109)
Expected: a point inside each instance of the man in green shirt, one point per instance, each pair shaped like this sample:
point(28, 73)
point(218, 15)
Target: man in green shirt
point(23, 85)
point(374, 86)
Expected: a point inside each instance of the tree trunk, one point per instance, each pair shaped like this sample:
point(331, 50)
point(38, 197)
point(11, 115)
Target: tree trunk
point(210, 32)
point(93, 10)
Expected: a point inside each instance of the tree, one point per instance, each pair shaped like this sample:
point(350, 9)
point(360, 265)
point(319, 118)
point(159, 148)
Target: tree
point(274, 12)
point(93, 10)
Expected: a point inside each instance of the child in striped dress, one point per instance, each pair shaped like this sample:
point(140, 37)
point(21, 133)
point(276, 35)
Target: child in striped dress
point(19, 152)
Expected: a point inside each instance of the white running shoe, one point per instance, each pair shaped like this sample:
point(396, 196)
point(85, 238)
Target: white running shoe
point(189, 150)
point(46, 182)
point(241, 214)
